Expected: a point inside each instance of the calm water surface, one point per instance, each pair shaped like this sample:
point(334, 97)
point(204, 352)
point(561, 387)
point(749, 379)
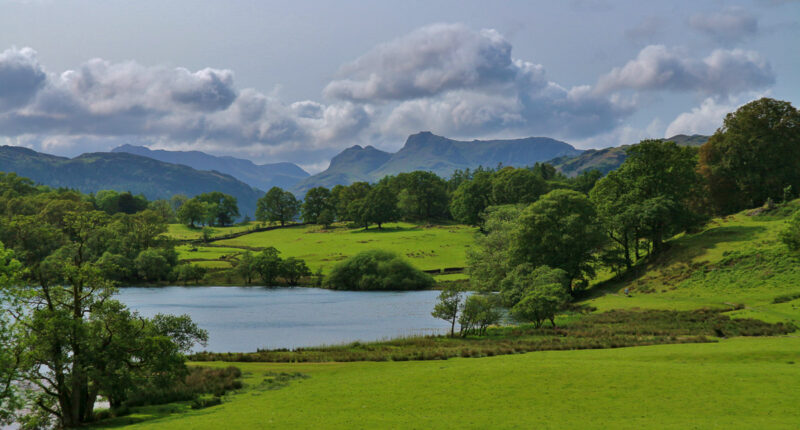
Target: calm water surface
point(243, 319)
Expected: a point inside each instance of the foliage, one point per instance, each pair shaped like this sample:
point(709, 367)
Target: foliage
point(377, 270)
point(189, 272)
point(192, 211)
point(525, 278)
point(471, 199)
point(478, 313)
point(541, 302)
point(489, 259)
point(222, 208)
point(277, 205)
point(381, 205)
point(448, 306)
point(753, 156)
point(790, 235)
point(292, 269)
point(267, 264)
point(511, 186)
point(561, 231)
point(422, 196)
point(317, 200)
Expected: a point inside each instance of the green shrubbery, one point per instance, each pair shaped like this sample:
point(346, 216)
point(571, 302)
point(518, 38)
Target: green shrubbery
point(377, 270)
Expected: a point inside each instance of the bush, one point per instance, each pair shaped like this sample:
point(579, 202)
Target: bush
point(377, 270)
point(791, 234)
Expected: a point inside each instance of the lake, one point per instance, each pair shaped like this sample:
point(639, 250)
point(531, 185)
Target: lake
point(243, 319)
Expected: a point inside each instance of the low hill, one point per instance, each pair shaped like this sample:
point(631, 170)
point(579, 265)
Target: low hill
point(124, 172)
point(608, 159)
point(262, 176)
point(735, 261)
point(438, 154)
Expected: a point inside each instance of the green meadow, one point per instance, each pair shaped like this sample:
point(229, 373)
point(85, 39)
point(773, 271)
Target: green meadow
point(426, 247)
point(737, 383)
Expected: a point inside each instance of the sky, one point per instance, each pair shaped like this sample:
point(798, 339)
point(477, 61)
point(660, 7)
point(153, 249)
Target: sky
point(300, 81)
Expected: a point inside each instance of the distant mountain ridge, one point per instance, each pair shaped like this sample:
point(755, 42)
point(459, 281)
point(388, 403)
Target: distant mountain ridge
point(438, 154)
point(608, 159)
point(123, 171)
point(262, 176)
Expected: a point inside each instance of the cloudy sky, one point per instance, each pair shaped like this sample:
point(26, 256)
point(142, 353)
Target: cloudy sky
point(300, 81)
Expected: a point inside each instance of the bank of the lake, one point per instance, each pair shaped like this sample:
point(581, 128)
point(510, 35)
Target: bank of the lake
point(244, 319)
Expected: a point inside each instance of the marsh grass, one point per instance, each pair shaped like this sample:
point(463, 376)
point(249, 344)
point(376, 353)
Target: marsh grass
point(614, 329)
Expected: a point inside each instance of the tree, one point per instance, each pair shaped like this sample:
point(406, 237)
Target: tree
point(381, 205)
point(317, 200)
point(71, 341)
point(471, 199)
point(191, 212)
point(753, 156)
point(189, 272)
point(790, 235)
point(223, 207)
point(478, 313)
point(10, 401)
point(661, 178)
point(344, 197)
point(618, 212)
point(151, 265)
point(245, 266)
point(511, 186)
point(293, 269)
point(526, 277)
point(490, 259)
point(560, 230)
point(277, 205)
point(541, 303)
point(325, 218)
point(449, 304)
point(377, 270)
point(268, 265)
point(422, 196)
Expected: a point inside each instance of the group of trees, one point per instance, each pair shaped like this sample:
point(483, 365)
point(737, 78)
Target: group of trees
point(541, 247)
point(377, 270)
point(211, 209)
point(64, 340)
point(474, 313)
point(268, 266)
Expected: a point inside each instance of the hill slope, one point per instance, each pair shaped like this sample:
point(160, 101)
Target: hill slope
point(262, 176)
point(438, 154)
point(608, 159)
point(124, 172)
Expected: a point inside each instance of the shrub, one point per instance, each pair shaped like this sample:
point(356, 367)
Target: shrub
point(791, 234)
point(377, 270)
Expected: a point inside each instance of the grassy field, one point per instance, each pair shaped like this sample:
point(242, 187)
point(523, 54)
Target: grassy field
point(184, 232)
point(738, 383)
point(427, 248)
point(736, 260)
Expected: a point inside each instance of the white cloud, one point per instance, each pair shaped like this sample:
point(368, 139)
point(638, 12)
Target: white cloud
point(657, 67)
point(708, 117)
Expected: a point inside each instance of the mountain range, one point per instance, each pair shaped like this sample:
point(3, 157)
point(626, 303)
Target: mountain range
point(438, 154)
point(608, 159)
point(124, 172)
point(262, 176)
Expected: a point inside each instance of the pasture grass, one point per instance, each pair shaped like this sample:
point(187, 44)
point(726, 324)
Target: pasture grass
point(184, 232)
point(735, 260)
point(426, 247)
point(739, 383)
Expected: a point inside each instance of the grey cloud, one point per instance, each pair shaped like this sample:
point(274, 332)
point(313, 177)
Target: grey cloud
point(723, 72)
point(426, 62)
point(21, 77)
point(727, 26)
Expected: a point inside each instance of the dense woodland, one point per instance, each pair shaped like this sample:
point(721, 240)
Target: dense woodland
point(65, 340)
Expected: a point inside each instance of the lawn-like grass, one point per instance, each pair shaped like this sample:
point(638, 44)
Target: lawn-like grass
point(742, 383)
point(735, 260)
point(426, 247)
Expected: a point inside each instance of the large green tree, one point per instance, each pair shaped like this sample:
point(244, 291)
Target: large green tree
point(277, 205)
point(381, 205)
point(560, 230)
point(753, 156)
point(422, 196)
point(317, 200)
point(471, 198)
point(225, 209)
point(511, 186)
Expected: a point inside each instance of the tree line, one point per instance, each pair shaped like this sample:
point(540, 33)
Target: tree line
point(539, 255)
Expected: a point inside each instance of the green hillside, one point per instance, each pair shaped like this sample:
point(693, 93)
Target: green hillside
point(124, 172)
